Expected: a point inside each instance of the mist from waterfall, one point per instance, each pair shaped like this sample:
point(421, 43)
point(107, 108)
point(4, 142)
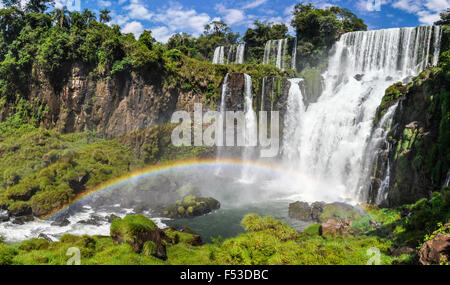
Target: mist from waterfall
point(331, 136)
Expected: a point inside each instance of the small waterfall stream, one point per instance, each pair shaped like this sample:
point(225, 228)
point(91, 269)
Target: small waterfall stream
point(235, 54)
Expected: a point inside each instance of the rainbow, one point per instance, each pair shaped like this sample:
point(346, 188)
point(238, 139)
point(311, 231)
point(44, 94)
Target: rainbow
point(165, 167)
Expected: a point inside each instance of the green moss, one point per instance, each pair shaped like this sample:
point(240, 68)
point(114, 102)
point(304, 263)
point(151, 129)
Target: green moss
point(312, 230)
point(132, 225)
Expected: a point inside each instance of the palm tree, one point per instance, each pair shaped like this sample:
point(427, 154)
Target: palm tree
point(88, 16)
point(104, 16)
point(60, 16)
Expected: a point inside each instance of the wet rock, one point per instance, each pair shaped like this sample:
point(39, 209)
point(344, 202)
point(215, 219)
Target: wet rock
point(61, 220)
point(191, 206)
point(316, 210)
point(4, 216)
point(407, 80)
point(61, 223)
point(23, 220)
point(141, 233)
point(46, 237)
point(321, 212)
point(336, 227)
point(111, 218)
point(359, 77)
point(388, 78)
point(93, 220)
point(435, 251)
point(300, 211)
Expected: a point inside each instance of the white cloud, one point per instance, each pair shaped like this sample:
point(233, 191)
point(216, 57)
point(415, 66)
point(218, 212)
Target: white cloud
point(427, 11)
point(104, 3)
point(254, 4)
point(138, 11)
point(134, 27)
point(231, 16)
point(176, 18)
point(161, 34)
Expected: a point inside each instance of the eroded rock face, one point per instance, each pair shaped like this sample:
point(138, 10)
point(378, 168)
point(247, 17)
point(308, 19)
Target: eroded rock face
point(415, 147)
point(435, 251)
point(112, 105)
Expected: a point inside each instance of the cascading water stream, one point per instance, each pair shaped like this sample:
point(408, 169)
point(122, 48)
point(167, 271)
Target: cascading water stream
point(275, 52)
point(222, 110)
point(293, 120)
point(250, 131)
point(219, 55)
point(335, 131)
point(235, 54)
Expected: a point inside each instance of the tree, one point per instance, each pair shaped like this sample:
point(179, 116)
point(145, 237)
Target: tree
point(60, 17)
point(445, 19)
point(216, 33)
point(39, 6)
point(256, 38)
point(147, 39)
point(104, 16)
point(318, 29)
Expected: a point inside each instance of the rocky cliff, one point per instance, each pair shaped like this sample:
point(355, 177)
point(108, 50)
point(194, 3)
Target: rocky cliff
point(416, 157)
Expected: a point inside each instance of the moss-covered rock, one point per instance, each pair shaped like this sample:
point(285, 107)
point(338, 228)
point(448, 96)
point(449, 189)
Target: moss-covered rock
point(137, 231)
point(191, 206)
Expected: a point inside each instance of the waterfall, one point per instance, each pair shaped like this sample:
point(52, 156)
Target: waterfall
point(375, 152)
point(294, 55)
point(437, 44)
point(240, 51)
point(235, 54)
point(275, 52)
point(219, 55)
point(222, 110)
point(250, 131)
point(293, 120)
point(331, 136)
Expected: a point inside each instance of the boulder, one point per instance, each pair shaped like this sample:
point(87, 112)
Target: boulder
point(22, 220)
point(61, 222)
point(436, 250)
point(359, 77)
point(93, 221)
point(398, 251)
point(300, 211)
point(335, 227)
point(185, 235)
point(191, 206)
point(321, 212)
point(4, 216)
point(46, 237)
point(111, 218)
point(141, 233)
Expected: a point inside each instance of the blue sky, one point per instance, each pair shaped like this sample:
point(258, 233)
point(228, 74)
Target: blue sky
point(166, 17)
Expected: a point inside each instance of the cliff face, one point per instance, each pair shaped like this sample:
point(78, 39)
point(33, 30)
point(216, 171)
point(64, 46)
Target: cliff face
point(416, 157)
point(113, 105)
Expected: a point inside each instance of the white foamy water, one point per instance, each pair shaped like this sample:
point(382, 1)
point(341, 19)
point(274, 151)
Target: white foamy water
point(15, 233)
point(334, 133)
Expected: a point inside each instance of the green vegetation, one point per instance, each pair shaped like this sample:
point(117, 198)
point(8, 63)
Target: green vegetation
point(256, 39)
point(318, 29)
point(267, 241)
